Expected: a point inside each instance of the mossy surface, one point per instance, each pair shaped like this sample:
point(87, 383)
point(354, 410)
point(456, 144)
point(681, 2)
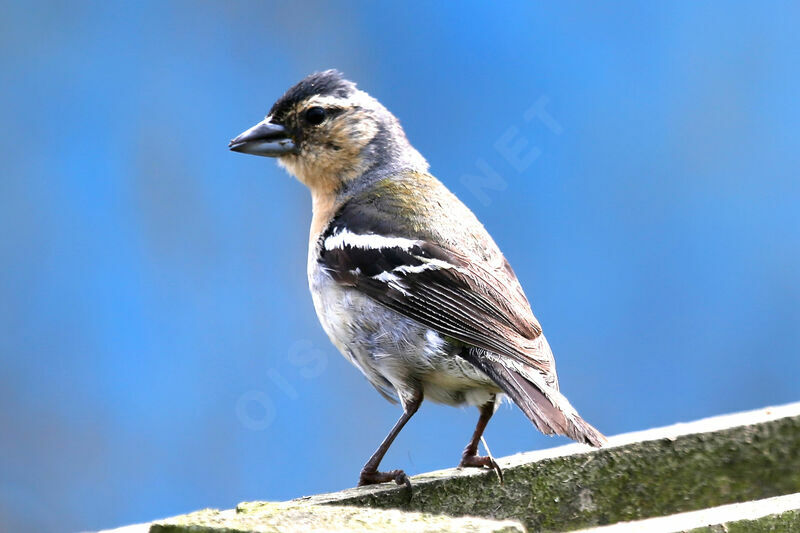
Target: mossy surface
point(701, 465)
point(624, 483)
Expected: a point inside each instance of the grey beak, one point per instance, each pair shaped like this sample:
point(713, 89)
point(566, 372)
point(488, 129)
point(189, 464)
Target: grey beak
point(265, 138)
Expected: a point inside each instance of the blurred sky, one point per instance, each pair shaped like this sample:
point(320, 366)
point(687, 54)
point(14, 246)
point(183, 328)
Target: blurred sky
point(159, 351)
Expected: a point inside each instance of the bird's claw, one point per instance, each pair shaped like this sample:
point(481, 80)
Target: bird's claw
point(481, 461)
point(373, 478)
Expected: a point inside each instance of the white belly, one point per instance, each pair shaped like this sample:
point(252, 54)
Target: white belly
point(394, 352)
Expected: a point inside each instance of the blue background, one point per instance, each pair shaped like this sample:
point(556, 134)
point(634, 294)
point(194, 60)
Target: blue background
point(159, 351)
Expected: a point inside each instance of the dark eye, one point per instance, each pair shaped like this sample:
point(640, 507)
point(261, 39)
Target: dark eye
point(315, 115)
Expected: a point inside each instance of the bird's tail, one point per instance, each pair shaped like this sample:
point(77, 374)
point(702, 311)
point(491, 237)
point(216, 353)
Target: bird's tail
point(544, 405)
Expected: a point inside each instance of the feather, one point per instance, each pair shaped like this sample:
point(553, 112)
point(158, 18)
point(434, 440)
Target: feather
point(546, 407)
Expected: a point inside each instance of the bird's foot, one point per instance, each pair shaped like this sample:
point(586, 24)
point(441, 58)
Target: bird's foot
point(481, 461)
point(374, 477)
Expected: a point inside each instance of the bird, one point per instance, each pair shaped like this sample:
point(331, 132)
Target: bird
point(406, 281)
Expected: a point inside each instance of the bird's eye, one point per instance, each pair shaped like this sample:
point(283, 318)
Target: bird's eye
point(315, 115)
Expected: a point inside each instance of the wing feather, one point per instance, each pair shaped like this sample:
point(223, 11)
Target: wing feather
point(438, 288)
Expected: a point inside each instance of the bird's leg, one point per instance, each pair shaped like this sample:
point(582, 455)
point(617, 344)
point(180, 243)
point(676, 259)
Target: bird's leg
point(369, 474)
point(470, 456)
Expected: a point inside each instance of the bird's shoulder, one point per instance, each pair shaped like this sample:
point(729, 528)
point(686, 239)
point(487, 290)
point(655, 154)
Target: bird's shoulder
point(416, 205)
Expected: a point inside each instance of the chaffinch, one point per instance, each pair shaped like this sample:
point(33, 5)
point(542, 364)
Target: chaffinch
point(405, 280)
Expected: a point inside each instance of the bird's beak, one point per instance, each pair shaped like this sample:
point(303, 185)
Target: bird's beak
point(265, 138)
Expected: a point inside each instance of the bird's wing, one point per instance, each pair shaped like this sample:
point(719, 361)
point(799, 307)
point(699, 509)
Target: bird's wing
point(467, 299)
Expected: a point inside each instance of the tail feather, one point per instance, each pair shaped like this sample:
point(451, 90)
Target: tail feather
point(544, 405)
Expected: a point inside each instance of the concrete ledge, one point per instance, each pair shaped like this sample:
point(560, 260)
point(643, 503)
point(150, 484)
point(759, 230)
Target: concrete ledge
point(774, 514)
point(656, 473)
point(685, 467)
point(302, 518)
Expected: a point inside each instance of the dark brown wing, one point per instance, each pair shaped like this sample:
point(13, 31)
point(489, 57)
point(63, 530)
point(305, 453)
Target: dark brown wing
point(437, 287)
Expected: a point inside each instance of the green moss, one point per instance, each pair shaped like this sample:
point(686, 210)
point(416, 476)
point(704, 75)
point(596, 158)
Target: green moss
point(640, 480)
point(565, 490)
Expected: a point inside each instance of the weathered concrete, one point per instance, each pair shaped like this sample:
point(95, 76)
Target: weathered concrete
point(655, 473)
point(291, 517)
point(685, 467)
point(781, 513)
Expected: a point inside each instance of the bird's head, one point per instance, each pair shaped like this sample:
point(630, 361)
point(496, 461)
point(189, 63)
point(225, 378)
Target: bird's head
point(327, 133)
